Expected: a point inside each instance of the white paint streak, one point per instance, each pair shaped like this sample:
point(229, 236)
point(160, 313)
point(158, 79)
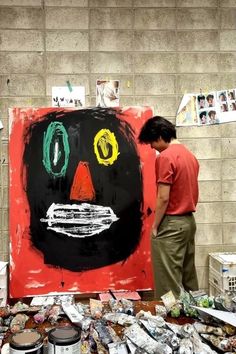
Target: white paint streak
point(35, 284)
point(82, 220)
point(55, 159)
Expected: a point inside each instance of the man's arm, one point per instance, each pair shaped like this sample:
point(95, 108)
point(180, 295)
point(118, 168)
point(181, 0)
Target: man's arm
point(163, 195)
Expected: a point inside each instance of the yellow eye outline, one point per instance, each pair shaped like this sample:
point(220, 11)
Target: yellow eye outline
point(103, 139)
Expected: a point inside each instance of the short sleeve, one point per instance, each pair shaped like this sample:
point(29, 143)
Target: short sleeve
point(164, 170)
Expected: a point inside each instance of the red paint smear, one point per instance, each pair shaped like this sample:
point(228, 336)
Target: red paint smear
point(29, 275)
point(82, 187)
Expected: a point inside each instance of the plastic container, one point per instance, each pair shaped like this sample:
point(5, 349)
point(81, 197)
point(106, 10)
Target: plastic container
point(64, 340)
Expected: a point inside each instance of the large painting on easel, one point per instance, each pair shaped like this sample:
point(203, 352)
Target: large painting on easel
point(81, 201)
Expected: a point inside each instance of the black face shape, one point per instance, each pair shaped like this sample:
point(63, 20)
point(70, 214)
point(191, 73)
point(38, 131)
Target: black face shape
point(84, 188)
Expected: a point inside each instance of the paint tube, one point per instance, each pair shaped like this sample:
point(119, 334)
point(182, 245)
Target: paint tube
point(96, 308)
point(157, 320)
point(161, 311)
point(218, 342)
point(54, 314)
point(41, 316)
point(118, 348)
point(18, 322)
point(19, 307)
point(103, 333)
point(185, 346)
point(120, 318)
point(202, 328)
point(138, 336)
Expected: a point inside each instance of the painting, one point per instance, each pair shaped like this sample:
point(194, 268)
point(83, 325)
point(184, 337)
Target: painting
point(81, 200)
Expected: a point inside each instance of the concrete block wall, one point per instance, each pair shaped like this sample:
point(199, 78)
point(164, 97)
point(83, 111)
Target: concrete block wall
point(159, 50)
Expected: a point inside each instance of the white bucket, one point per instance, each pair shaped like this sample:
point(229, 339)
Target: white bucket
point(63, 340)
point(27, 341)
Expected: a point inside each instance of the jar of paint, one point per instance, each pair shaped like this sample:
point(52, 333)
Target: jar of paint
point(27, 341)
point(64, 340)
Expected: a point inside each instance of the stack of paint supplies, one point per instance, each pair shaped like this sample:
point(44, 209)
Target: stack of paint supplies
point(116, 327)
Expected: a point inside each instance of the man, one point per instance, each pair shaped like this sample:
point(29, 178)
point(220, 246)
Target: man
point(174, 227)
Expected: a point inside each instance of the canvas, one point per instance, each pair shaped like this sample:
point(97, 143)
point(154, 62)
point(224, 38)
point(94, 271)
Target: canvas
point(81, 200)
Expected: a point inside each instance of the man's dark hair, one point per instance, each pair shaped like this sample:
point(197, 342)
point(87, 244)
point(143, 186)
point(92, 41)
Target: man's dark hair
point(200, 97)
point(155, 128)
point(202, 114)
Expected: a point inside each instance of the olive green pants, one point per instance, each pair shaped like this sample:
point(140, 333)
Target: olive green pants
point(173, 251)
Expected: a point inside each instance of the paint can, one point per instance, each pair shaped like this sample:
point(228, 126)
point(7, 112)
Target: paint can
point(27, 341)
point(64, 340)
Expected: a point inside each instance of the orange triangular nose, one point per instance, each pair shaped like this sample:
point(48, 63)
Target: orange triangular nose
point(82, 187)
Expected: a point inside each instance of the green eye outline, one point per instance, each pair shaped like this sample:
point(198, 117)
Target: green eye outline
point(54, 130)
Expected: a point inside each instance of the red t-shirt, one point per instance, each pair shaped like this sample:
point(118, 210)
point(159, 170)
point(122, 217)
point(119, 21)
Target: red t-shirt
point(178, 167)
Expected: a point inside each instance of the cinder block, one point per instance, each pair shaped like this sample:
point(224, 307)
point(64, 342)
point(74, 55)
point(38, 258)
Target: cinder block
point(21, 17)
point(67, 41)
point(21, 3)
point(70, 63)
point(228, 169)
point(203, 277)
point(228, 18)
point(111, 40)
point(227, 62)
point(4, 177)
point(197, 82)
point(60, 80)
point(209, 191)
point(22, 85)
point(229, 211)
point(64, 3)
point(209, 213)
point(229, 232)
point(197, 18)
point(112, 18)
point(154, 84)
point(154, 3)
point(202, 254)
point(228, 148)
point(26, 101)
point(126, 82)
point(155, 62)
point(197, 41)
point(148, 19)
point(154, 41)
point(228, 130)
point(67, 18)
point(21, 40)
point(111, 62)
point(204, 148)
point(227, 3)
point(110, 3)
point(4, 152)
point(208, 234)
point(228, 40)
point(194, 63)
point(227, 80)
point(4, 197)
point(4, 215)
point(21, 63)
point(199, 132)
point(162, 105)
point(229, 191)
point(210, 170)
point(197, 3)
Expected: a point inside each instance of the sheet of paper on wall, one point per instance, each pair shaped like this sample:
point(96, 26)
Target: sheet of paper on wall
point(107, 93)
point(3, 284)
point(207, 108)
point(1, 125)
point(68, 96)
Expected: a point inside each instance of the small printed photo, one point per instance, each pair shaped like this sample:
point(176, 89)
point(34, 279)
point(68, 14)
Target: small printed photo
point(222, 96)
point(232, 106)
point(212, 117)
point(224, 107)
point(203, 118)
point(107, 93)
point(201, 99)
point(231, 95)
point(210, 100)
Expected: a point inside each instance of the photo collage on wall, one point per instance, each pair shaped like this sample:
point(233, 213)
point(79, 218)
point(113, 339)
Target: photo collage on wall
point(205, 109)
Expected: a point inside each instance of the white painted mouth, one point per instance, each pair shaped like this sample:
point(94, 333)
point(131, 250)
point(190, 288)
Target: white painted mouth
point(79, 221)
